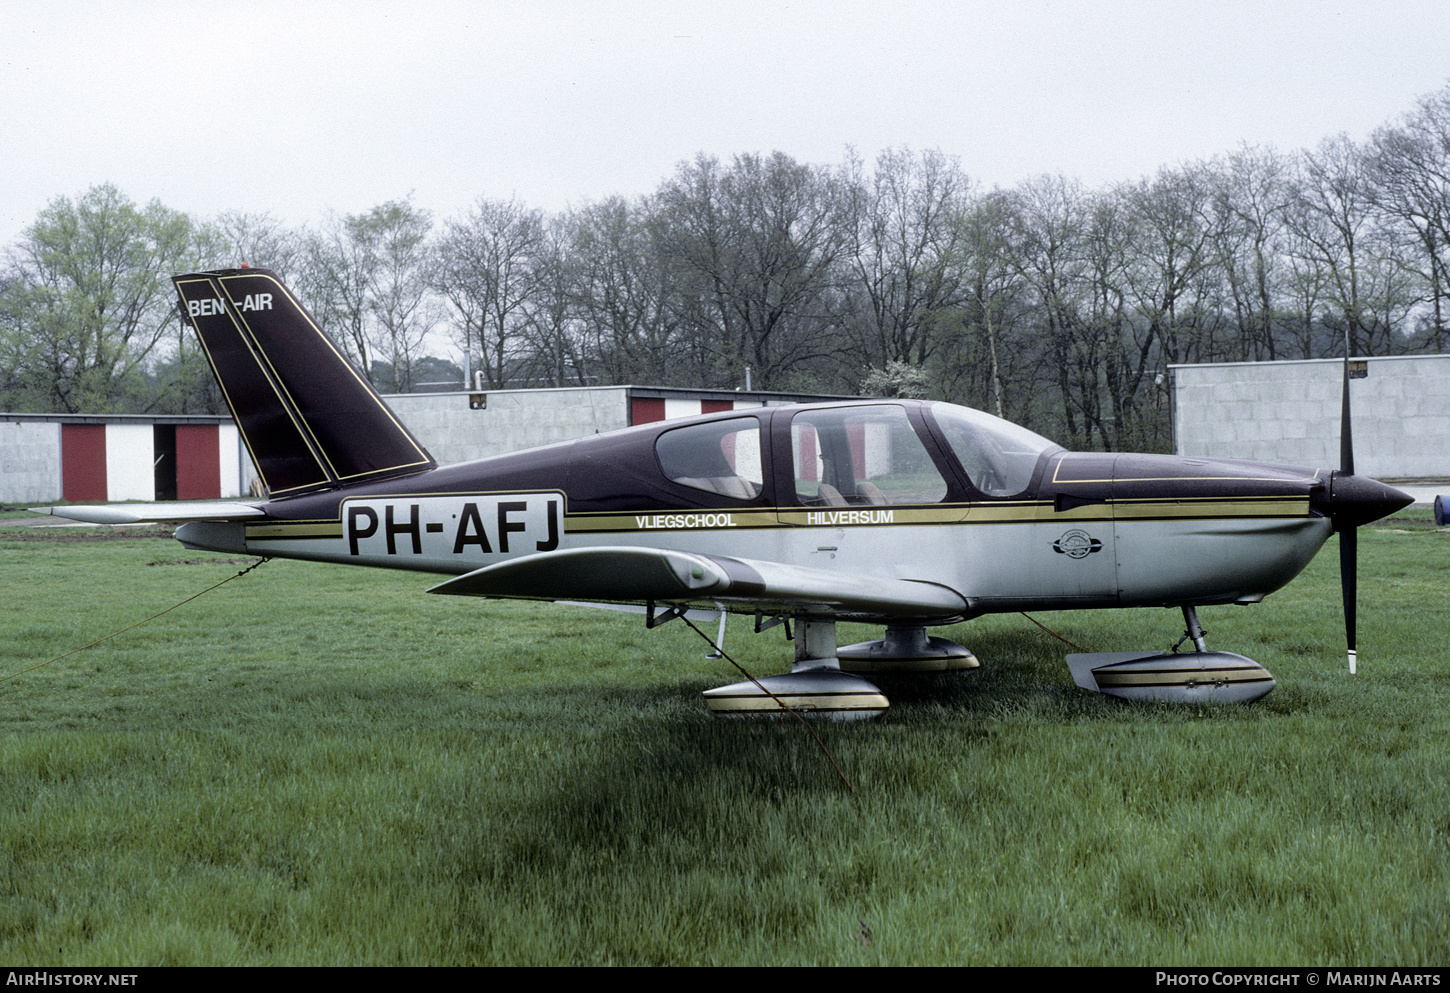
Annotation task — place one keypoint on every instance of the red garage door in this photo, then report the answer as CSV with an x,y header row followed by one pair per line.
x,y
82,462
646,410
198,462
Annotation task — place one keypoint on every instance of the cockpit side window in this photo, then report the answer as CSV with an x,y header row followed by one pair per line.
x,y
853,456
998,456
717,457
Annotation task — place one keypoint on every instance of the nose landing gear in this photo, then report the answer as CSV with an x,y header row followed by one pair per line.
x,y
1199,676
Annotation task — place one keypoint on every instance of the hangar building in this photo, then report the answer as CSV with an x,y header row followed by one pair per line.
x,y
1289,412
82,458
88,458
456,427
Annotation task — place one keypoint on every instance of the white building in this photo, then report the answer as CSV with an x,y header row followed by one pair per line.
x,y
88,458
1290,411
83,458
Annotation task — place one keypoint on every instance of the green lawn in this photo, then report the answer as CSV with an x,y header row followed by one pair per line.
x,y
322,765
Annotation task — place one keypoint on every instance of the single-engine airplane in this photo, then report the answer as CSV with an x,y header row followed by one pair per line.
x,y
903,513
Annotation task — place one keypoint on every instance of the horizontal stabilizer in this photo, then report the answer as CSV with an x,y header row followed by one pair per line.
x,y
156,513
636,575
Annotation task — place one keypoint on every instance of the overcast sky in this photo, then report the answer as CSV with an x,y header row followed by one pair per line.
x,y
301,107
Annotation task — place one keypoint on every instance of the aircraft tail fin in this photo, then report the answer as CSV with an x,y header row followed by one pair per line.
x,y
309,418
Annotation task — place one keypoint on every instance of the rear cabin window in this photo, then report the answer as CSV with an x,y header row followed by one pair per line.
x,y
718,457
861,456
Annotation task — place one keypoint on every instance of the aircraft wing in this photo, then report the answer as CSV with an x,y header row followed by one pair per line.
x,y
637,575
156,513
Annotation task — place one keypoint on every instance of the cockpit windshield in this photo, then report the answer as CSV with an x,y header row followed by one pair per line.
x,y
998,456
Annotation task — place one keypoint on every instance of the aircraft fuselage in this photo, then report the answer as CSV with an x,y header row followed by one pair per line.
x,y
1086,529
901,512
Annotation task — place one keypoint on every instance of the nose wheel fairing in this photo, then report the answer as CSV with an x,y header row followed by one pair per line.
x,y
1172,677
1199,676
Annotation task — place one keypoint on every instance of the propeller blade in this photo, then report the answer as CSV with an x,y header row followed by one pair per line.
x,y
1348,553
1348,536
1346,442
1352,501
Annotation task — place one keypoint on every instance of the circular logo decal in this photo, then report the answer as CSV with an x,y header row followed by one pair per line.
x,y
1077,544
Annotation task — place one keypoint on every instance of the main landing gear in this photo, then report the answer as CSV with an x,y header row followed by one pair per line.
x,y
823,681
906,649
1199,676
826,681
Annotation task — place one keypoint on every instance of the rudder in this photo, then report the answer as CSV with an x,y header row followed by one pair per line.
x,y
307,415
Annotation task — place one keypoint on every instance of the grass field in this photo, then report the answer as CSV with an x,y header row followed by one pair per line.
x,y
321,765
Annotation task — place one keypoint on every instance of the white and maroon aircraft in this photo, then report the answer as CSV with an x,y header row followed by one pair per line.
x,y
902,513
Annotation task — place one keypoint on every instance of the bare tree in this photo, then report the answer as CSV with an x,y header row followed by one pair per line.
x,y
624,293
758,249
905,251
235,239
991,303
1122,344
1409,169
399,306
1174,251
1252,196
1047,217
337,269
485,271
555,339
1335,225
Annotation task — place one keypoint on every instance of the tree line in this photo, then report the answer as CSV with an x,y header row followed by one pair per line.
x,y
1054,305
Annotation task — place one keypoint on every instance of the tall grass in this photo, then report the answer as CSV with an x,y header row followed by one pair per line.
x,y
321,765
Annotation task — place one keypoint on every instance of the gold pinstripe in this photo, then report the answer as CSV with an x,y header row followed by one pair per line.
x,y
1180,677
976,515
1057,468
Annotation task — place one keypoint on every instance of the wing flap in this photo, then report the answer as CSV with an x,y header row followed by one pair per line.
x,y
636,575
156,513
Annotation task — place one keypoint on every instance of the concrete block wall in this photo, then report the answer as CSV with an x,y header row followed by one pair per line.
x,y
29,462
1290,412
512,420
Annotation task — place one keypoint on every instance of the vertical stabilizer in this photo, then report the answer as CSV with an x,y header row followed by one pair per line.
x,y
310,419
